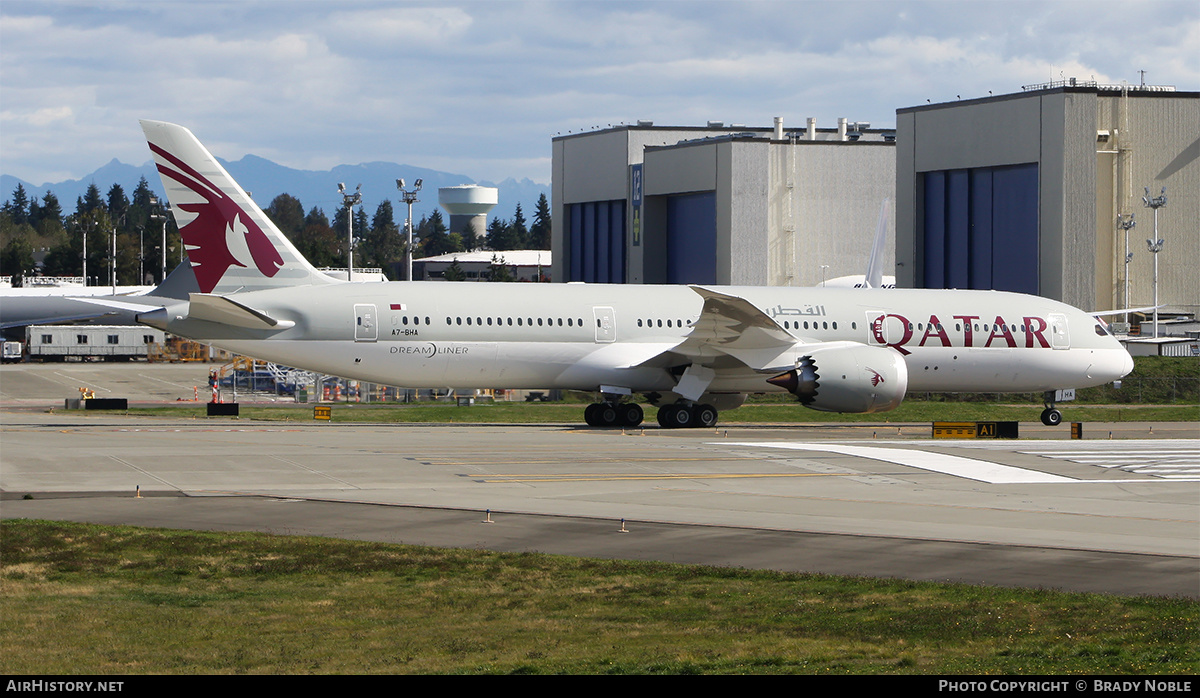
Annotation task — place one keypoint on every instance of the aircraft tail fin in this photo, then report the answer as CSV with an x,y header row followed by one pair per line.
x,y
874,277
230,243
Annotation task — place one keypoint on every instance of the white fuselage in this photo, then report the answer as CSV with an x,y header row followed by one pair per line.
x,y
583,336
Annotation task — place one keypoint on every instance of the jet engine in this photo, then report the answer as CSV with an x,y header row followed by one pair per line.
x,y
847,378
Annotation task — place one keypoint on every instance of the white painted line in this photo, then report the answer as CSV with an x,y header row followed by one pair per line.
x,y
957,466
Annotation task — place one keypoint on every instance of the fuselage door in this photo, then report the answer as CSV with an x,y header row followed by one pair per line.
x,y
365,326
1060,338
606,324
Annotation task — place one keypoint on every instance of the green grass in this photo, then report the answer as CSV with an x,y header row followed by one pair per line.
x,y
87,599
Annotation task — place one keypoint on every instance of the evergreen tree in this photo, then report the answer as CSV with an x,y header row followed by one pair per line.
x,y
90,201
286,212
50,219
434,240
539,232
520,233
318,243
500,235
500,271
383,244
35,213
142,194
470,240
362,227
118,203
18,207
16,259
454,272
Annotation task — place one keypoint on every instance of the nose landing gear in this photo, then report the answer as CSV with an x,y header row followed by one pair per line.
x,y
1051,417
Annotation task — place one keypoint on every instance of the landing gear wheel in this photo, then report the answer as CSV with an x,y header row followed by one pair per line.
x,y
1051,417
607,414
675,416
704,416
589,414
630,414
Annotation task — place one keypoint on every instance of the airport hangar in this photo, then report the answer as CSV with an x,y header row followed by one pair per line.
x,y
718,204
1021,192
1015,192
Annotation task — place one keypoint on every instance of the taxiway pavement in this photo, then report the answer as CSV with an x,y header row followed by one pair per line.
x,y
1119,516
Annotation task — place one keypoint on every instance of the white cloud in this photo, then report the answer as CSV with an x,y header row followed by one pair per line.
x,y
482,86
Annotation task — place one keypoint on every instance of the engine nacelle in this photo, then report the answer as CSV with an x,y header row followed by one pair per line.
x,y
847,378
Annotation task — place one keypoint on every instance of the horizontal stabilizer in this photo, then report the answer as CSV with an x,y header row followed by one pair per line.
x,y
226,311
110,302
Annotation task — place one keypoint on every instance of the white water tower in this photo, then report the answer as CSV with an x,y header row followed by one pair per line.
x,y
468,204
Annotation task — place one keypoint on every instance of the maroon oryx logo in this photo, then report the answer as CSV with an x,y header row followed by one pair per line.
x,y
218,223
876,379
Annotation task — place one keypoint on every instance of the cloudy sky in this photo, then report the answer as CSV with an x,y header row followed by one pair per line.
x,y
479,88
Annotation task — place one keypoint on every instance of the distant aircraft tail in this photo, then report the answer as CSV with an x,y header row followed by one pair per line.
x,y
874,276
230,243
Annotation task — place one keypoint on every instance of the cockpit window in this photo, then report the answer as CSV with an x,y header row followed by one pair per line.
x,y
1102,330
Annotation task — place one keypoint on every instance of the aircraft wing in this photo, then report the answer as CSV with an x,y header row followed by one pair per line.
x,y
54,319
733,326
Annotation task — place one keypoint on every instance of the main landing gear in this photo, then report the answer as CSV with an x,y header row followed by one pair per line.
x,y
1051,417
613,414
630,414
682,416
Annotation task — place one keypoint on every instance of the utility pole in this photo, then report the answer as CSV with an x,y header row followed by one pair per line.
x,y
350,201
1155,246
410,198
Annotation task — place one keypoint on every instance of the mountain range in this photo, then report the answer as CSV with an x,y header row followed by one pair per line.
x,y
265,180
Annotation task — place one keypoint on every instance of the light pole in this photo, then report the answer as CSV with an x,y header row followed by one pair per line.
x,y
1155,246
141,255
1126,225
112,262
85,229
410,198
823,268
159,214
350,201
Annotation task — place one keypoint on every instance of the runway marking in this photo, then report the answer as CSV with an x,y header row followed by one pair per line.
x,y
639,476
1168,459
968,468
481,462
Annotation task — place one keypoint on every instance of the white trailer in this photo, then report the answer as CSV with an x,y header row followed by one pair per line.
x,y
94,342
10,351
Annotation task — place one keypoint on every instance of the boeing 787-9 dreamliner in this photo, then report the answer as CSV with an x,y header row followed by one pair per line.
x,y
691,350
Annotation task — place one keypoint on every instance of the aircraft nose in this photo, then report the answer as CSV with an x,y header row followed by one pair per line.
x,y
1116,364
1126,363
